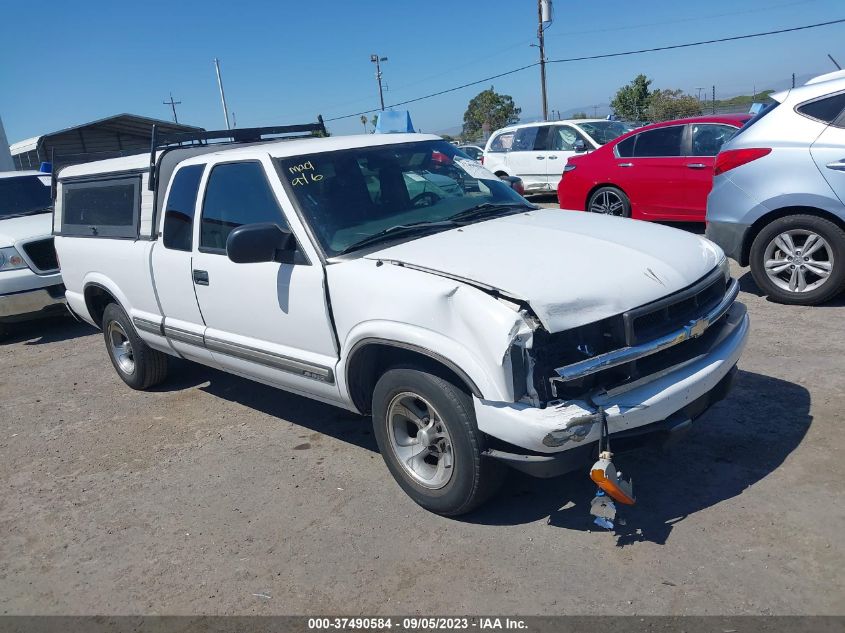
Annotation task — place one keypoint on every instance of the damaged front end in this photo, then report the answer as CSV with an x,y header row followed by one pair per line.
x,y
653,369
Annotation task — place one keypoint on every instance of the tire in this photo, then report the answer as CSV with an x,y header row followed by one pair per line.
x,y
612,200
470,478
138,365
789,270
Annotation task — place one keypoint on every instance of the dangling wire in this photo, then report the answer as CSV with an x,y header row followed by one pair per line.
x,y
604,438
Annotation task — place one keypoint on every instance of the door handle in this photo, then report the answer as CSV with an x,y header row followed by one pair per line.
x,y
696,165
552,157
201,277
625,164
540,157
838,165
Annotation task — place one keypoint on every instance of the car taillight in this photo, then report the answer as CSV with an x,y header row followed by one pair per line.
x,y
519,187
732,158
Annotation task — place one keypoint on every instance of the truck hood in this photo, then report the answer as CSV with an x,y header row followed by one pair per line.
x,y
572,268
14,229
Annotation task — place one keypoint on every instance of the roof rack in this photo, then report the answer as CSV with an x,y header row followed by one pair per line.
x,y
238,135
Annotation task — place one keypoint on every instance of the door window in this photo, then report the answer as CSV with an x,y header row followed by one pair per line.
x,y
179,211
664,141
563,138
236,194
525,139
625,149
708,138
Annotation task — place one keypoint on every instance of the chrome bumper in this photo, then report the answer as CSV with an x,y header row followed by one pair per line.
x,y
31,301
624,355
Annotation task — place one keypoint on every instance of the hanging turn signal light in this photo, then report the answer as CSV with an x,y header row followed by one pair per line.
x,y
604,474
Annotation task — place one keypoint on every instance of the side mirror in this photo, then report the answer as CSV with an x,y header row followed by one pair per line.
x,y
580,146
264,242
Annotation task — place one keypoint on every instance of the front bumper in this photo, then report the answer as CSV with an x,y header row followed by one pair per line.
x,y
27,304
565,426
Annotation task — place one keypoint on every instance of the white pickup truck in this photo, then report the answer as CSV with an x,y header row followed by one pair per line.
x,y
478,331
30,282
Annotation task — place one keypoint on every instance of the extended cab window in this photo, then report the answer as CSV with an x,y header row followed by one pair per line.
x,y
664,141
236,194
179,211
525,139
102,208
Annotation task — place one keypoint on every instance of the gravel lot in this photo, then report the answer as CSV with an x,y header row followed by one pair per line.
x,y
217,495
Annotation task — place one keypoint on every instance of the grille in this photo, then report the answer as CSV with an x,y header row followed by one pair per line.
x,y
42,254
633,327
656,319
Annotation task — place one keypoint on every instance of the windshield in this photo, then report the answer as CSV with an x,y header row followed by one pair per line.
x,y
350,195
605,131
24,195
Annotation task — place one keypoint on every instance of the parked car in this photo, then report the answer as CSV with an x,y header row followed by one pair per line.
x,y
281,262
536,152
662,171
30,282
473,151
778,194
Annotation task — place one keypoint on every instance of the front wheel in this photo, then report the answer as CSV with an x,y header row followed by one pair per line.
x,y
426,432
799,259
610,201
138,365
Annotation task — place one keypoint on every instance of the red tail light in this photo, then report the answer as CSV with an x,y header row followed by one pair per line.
x,y
732,158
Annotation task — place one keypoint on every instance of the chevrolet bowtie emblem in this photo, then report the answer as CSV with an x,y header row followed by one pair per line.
x,y
698,328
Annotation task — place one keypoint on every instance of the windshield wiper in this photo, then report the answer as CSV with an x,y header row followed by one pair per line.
x,y
489,208
395,231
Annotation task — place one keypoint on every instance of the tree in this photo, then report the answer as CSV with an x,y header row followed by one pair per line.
x,y
374,122
447,137
579,115
632,100
666,105
492,108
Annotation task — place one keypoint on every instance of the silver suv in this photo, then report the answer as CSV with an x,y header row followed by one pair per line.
x,y
778,197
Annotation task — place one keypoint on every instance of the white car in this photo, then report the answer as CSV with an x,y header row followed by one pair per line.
x,y
537,152
30,282
311,265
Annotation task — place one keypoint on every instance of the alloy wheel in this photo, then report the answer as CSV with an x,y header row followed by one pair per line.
x,y
798,260
121,348
420,440
608,203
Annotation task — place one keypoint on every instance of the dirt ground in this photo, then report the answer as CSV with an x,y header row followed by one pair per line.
x,y
216,495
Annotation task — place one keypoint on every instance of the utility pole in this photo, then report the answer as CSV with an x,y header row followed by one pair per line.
x,y
377,61
173,105
713,102
222,94
540,30
699,93
793,80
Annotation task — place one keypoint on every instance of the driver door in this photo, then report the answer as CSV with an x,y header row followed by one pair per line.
x,y
269,320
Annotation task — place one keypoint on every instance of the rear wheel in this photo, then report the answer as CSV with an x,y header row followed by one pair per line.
x,y
610,201
799,260
138,365
426,432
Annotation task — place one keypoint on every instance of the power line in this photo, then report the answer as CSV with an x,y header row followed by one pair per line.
x,y
591,57
689,44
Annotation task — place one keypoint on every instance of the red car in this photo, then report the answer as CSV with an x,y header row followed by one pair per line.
x,y
662,171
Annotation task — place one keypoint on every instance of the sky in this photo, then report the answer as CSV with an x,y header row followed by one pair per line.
x,y
286,61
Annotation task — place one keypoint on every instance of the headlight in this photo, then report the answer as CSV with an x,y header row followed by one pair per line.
x,y
725,267
10,259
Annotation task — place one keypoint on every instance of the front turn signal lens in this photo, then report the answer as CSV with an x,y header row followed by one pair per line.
x,y
604,475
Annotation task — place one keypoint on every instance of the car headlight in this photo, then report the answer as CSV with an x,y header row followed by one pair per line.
x,y
725,267
10,259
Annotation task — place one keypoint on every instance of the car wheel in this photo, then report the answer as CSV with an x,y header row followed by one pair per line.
x,y
139,365
799,259
610,201
426,432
